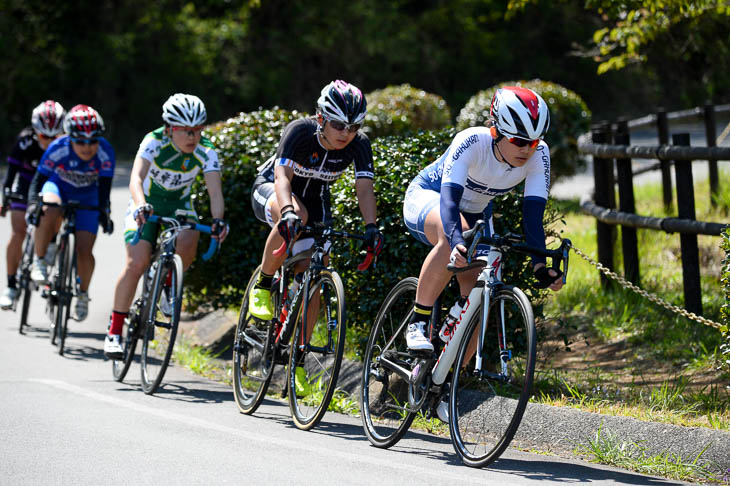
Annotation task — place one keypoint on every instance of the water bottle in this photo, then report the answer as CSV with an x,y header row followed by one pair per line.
x,y
447,329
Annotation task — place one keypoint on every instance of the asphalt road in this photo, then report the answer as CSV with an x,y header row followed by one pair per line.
x,y
65,421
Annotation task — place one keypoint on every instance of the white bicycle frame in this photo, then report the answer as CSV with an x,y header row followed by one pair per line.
x,y
490,275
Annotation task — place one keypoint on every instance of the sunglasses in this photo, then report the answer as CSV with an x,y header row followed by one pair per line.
x,y
85,141
521,142
350,127
189,131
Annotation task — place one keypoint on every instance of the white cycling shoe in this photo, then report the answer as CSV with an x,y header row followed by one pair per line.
x,y
415,338
39,272
82,306
442,411
8,297
113,346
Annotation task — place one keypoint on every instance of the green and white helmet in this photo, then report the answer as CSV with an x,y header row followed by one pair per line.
x,y
184,110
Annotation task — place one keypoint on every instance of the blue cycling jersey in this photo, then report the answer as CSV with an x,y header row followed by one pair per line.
x,y
71,174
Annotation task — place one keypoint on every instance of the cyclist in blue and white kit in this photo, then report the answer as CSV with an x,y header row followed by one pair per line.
x,y
46,124
455,191
77,167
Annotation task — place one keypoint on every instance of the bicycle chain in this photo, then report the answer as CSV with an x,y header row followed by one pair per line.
x,y
653,298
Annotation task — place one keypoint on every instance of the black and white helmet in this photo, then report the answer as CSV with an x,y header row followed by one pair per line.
x,y
184,110
520,112
47,118
342,101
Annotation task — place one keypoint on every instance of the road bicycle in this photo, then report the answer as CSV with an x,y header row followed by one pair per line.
x,y
155,315
308,335
64,281
485,370
24,284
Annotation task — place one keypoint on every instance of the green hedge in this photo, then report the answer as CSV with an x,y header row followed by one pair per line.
x,y
725,278
249,139
569,118
396,110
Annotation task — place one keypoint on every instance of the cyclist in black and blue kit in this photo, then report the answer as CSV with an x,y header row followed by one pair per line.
x,y
293,186
46,125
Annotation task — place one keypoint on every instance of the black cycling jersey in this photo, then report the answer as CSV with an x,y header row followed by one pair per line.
x,y
314,166
23,160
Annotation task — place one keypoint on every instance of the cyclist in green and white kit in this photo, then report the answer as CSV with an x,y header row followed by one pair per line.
x,y
167,163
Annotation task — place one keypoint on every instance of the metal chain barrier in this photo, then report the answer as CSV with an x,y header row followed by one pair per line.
x,y
657,300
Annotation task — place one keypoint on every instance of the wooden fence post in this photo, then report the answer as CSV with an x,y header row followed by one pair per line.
x,y
663,135
629,243
688,242
711,135
603,196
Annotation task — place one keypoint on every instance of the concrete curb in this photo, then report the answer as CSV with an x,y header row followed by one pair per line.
x,y
559,430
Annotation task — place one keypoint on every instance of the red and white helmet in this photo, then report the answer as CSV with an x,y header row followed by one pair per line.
x,y
342,101
82,121
47,118
520,112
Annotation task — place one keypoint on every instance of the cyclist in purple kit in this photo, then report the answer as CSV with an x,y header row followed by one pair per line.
x,y
79,167
46,125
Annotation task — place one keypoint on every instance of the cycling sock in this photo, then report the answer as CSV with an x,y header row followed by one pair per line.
x,y
264,281
421,313
117,322
12,281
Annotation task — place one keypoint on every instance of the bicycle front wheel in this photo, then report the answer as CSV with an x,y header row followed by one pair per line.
x,y
25,288
160,323
65,289
488,399
316,350
384,394
130,335
253,356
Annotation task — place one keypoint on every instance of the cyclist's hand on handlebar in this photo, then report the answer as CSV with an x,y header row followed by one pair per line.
x,y
289,226
32,214
142,212
219,229
374,239
105,220
458,256
548,278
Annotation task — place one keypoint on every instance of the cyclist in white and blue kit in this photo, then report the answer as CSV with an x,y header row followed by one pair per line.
x,y
451,194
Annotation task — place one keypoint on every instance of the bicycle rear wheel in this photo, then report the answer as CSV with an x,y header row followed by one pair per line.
x,y
488,399
25,287
384,394
130,336
65,285
160,323
253,356
316,355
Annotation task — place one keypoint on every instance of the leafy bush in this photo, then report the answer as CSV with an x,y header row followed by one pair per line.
x,y
247,140
398,109
569,118
725,278
243,143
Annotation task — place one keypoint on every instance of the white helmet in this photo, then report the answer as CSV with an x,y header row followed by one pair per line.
x,y
47,118
342,101
520,112
184,110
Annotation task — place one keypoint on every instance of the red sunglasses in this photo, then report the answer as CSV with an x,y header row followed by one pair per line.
x,y
521,142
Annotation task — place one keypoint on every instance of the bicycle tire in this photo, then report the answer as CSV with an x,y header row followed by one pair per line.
x,y
24,282
383,393
158,336
65,290
130,336
310,393
486,406
253,355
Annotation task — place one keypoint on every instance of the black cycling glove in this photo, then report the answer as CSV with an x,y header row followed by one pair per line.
x,y
105,221
374,239
289,226
544,279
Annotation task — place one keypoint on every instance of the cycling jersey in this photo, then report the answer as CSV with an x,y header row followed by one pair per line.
x,y
469,175
22,162
172,172
62,166
315,167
